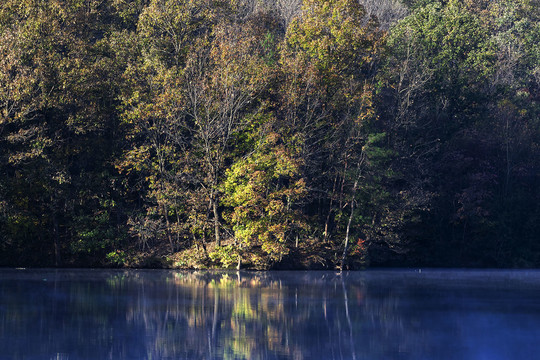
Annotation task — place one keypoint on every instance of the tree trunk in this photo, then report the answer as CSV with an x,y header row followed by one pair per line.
x,y
216,221
346,246
56,240
168,227
327,222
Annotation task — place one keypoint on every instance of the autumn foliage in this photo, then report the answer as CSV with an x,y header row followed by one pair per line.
x,y
218,133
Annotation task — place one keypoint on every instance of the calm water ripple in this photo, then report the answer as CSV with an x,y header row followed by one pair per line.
x,y
165,314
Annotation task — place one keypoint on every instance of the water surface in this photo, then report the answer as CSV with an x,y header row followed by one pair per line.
x,y
164,314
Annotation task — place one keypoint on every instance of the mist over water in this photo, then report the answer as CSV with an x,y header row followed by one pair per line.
x,y
165,314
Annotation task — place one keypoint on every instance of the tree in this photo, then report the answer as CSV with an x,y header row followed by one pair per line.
x,y
55,108
262,190
388,12
448,63
330,60
155,114
223,86
201,74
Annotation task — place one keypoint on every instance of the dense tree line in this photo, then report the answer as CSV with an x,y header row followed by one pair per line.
x,y
332,133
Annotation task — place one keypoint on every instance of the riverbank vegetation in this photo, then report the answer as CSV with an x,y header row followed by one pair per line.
x,y
270,134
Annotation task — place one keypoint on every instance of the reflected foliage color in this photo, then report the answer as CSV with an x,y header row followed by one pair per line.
x,y
287,315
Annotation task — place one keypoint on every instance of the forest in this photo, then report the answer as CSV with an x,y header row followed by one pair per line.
x,y
270,134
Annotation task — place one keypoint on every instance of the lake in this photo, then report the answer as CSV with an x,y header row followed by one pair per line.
x,y
167,314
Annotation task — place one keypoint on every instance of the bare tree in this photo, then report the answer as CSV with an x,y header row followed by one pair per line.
x,y
222,81
288,10
387,11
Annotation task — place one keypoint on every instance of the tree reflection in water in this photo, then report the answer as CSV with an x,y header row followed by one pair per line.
x,y
82,314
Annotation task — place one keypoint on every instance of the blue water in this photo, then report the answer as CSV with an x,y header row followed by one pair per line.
x,y
163,314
